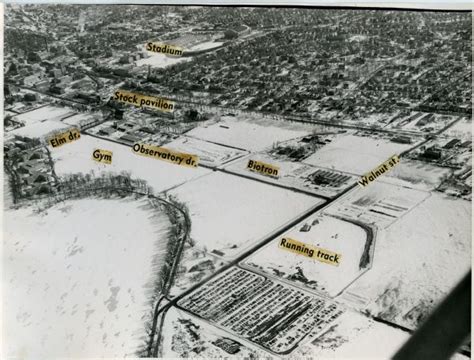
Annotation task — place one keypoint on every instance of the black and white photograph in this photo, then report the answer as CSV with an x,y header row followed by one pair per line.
x,y
236,181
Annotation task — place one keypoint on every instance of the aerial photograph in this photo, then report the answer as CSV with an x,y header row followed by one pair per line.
x,y
236,182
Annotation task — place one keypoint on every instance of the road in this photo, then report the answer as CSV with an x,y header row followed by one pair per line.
x,y
155,343
159,312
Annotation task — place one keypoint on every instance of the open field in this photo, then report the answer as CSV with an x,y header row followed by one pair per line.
x,y
356,337
185,335
160,175
230,214
76,120
76,277
417,174
421,261
461,130
252,134
379,203
205,45
49,112
40,130
209,154
355,154
293,174
324,232
161,61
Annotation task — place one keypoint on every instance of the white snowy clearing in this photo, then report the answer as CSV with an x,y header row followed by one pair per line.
x,y
205,46
355,154
325,232
41,114
76,157
250,134
40,130
209,153
75,278
417,261
230,214
161,61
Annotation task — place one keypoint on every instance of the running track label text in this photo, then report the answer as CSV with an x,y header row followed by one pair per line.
x,y
312,252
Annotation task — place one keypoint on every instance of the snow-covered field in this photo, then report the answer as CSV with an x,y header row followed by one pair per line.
x,y
292,174
205,45
422,256
461,130
328,233
75,277
78,119
161,61
379,203
356,337
48,112
77,157
250,134
355,154
417,174
186,336
40,130
230,214
209,153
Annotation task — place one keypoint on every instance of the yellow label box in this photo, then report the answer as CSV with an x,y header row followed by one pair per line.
x,y
64,138
310,251
102,156
381,169
160,153
139,100
164,49
263,168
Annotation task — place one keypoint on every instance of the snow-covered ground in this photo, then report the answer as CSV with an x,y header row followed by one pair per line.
x,y
208,153
355,154
161,61
417,174
291,173
379,203
76,276
205,45
250,134
356,337
78,119
40,130
186,336
328,233
48,112
77,157
230,214
461,130
422,256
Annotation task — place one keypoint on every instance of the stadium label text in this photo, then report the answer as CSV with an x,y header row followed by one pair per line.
x,y
103,156
144,101
64,138
313,252
166,155
164,49
374,174
263,168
